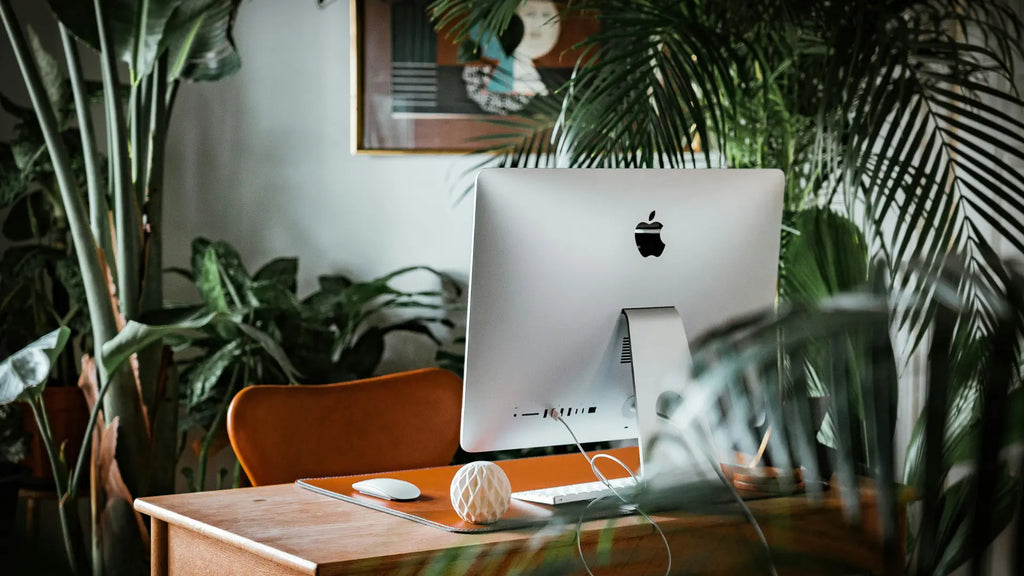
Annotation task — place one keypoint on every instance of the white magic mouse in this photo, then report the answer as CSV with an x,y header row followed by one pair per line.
x,y
388,489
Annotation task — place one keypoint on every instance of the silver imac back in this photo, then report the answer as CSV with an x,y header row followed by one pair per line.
x,y
559,253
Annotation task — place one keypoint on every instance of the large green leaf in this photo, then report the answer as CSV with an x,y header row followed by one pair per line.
x,y
207,276
957,526
362,357
135,336
11,185
220,275
333,282
826,258
202,379
23,373
136,28
273,349
70,277
199,40
274,298
281,271
195,33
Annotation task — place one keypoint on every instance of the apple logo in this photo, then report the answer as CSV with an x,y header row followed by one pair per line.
x,y
648,238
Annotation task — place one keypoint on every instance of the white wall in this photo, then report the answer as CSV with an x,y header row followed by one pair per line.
x,y
262,160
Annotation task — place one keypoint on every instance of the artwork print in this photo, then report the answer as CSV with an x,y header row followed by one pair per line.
x,y
440,94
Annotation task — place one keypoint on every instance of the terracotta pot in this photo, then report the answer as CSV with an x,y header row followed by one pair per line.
x,y
68,415
762,480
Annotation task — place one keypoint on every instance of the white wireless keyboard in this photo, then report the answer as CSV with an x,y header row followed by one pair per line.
x,y
573,492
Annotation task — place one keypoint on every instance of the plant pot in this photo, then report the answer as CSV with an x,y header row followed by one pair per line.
x,y
68,415
761,480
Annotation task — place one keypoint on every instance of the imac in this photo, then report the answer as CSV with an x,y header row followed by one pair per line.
x,y
585,283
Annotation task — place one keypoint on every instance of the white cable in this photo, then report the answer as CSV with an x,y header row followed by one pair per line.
x,y
632,505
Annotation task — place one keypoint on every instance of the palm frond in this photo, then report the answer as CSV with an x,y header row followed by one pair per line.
x,y
902,113
925,130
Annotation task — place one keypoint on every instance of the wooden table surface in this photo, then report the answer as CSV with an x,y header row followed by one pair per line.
x,y
285,529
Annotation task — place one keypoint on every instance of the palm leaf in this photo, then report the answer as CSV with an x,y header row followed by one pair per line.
x,y
899,117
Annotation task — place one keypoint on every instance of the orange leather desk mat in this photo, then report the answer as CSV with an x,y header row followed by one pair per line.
x,y
434,507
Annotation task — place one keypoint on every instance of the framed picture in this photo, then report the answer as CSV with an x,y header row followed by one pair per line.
x,y
414,93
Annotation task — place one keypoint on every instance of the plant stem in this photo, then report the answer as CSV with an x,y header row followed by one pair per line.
x,y
126,219
97,200
65,507
204,451
94,487
164,420
123,402
153,369
93,277
141,22
45,432
152,284
138,125
93,414
94,512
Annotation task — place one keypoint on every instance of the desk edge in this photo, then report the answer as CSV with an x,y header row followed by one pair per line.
x,y
262,550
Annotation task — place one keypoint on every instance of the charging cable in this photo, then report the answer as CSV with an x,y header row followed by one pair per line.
x,y
631,506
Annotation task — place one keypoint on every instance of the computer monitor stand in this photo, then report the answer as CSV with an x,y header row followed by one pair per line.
x,y
658,348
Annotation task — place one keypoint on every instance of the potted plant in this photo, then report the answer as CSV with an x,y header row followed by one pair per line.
x,y
163,43
892,122
254,328
23,377
962,498
820,90
39,278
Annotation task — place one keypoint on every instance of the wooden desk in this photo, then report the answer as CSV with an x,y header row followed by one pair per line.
x,y
285,529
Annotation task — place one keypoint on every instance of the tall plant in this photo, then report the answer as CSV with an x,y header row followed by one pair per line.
x,y
117,228
39,279
956,515
899,116
335,334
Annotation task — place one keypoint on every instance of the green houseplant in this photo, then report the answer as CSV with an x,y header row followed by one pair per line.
x,y
336,333
39,276
115,223
893,114
23,378
758,367
893,122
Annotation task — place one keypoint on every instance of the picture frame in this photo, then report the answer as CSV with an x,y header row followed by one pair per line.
x,y
413,94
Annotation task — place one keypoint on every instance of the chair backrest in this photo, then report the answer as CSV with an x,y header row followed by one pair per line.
x,y
393,422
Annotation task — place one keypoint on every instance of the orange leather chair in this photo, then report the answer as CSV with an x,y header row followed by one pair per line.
x,y
394,422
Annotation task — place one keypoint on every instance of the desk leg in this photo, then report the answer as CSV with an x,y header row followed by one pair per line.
x,y
158,548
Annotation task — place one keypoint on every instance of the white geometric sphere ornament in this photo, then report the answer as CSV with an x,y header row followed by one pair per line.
x,y
481,492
